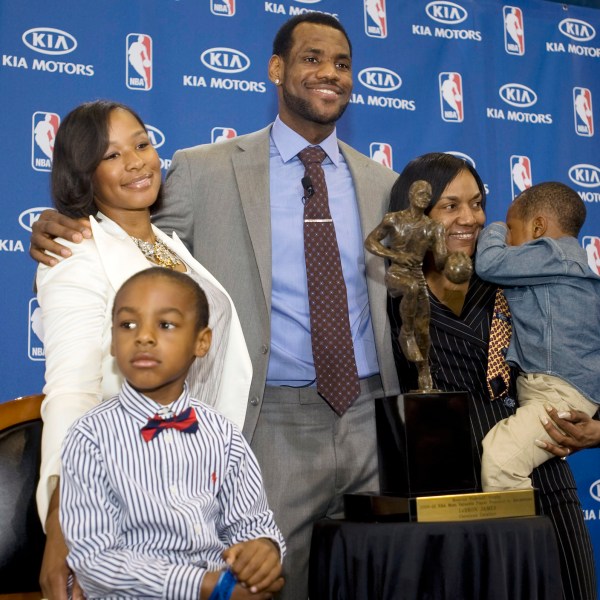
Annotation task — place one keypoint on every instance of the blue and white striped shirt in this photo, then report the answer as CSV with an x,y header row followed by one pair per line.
x,y
150,518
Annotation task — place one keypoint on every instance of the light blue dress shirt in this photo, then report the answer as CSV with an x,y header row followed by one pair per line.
x,y
291,361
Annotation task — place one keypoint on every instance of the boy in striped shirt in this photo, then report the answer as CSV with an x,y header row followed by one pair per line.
x,y
161,496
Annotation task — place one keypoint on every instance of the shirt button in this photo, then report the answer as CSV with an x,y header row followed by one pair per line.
x,y
168,437
264,349
198,528
173,489
254,400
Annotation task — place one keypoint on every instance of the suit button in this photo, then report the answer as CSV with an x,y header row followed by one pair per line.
x,y
264,349
254,400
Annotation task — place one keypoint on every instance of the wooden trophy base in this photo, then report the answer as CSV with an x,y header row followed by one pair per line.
x,y
426,466
431,509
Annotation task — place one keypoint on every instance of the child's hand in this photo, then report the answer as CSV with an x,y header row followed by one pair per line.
x,y
239,592
256,565
242,593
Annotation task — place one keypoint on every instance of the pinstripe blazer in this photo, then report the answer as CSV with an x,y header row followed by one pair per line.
x,y
458,358
217,200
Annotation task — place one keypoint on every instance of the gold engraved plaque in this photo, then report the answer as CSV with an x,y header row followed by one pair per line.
x,y
470,507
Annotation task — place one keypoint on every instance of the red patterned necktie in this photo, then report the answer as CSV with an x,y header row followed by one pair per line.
x,y
498,371
331,338
186,422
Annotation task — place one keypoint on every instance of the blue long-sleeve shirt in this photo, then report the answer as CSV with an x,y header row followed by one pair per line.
x,y
554,298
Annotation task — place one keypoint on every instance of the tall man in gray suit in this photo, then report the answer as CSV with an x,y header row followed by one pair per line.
x,y
237,205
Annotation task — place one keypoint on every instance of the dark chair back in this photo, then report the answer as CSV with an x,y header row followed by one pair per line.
x,y
21,536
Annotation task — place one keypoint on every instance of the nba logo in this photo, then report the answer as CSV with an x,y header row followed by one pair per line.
x,y
43,131
514,32
451,97
375,18
35,345
139,62
520,174
220,134
582,107
591,244
222,8
382,153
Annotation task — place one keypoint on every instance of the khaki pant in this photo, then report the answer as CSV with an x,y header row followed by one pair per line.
x,y
509,449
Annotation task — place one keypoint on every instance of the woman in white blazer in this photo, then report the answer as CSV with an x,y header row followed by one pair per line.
x,y
105,168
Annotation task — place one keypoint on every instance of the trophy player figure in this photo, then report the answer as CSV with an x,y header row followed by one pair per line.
x,y
411,234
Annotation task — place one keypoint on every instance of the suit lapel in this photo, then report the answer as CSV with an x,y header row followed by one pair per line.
x,y
251,167
370,216
364,181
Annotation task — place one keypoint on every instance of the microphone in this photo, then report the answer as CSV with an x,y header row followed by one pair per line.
x,y
309,190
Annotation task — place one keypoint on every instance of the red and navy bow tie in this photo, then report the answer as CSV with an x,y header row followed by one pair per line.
x,y
186,422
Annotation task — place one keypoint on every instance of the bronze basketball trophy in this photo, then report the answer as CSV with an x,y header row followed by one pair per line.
x,y
426,466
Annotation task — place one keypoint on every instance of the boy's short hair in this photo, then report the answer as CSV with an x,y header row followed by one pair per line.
x,y
200,301
557,198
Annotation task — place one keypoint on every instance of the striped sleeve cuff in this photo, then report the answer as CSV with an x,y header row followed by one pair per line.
x,y
183,582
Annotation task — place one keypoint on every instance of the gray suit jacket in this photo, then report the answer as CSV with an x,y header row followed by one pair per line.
x,y
217,201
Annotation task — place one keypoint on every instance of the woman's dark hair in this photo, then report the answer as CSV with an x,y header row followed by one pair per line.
x,y
80,144
282,43
439,169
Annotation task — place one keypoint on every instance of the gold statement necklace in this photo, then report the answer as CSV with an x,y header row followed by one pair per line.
x,y
157,252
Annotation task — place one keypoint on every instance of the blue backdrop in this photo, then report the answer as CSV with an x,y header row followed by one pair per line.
x,y
514,88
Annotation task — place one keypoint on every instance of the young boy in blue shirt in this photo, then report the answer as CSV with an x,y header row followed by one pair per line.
x,y
160,495
554,298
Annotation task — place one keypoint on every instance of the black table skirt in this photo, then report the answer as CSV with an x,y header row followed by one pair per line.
x,y
496,559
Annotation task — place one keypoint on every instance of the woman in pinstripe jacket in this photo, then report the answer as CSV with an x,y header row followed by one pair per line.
x,y
460,327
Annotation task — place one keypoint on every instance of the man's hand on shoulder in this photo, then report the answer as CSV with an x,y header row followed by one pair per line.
x,y
51,225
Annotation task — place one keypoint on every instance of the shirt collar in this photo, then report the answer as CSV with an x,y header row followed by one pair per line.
x,y
289,143
142,408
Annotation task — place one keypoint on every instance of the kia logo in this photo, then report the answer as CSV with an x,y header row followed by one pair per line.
x,y
516,94
157,137
595,490
49,41
380,79
587,176
225,60
28,217
446,12
462,156
577,30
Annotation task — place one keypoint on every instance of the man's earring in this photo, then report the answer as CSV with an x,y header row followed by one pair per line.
x,y
277,82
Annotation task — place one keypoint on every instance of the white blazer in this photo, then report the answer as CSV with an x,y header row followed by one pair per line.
x,y
76,298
